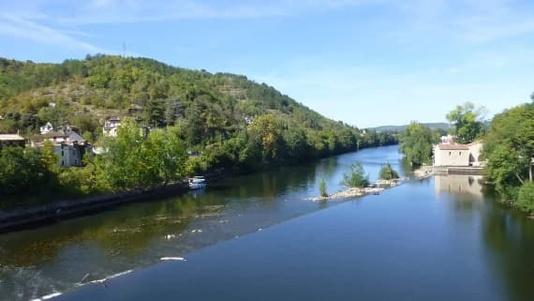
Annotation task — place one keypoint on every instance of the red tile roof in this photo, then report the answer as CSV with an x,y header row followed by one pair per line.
x,y
453,147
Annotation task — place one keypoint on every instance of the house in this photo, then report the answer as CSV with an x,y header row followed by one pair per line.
x,y
458,155
69,154
69,146
12,140
47,128
111,126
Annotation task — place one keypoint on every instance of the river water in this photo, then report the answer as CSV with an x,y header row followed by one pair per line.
x,y
260,237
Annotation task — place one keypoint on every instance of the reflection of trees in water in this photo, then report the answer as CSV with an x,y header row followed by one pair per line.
x,y
327,167
124,232
510,237
405,167
507,234
267,185
129,230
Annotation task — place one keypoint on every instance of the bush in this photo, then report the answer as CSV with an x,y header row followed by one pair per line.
x,y
356,177
322,188
388,173
525,198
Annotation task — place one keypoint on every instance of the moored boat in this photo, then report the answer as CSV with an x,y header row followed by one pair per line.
x,y
197,182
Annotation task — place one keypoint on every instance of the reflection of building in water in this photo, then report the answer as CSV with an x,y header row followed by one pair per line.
x,y
459,185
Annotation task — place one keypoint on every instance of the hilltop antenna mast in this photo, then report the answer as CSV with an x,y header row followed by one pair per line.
x,y
124,49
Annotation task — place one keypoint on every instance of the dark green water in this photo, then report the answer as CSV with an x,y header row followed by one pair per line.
x,y
439,239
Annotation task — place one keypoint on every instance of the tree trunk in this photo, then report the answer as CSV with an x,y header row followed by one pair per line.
x,y
530,170
519,178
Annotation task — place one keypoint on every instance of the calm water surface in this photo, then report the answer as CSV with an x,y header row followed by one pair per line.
x,y
438,239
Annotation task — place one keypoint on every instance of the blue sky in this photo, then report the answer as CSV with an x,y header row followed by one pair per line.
x,y
366,62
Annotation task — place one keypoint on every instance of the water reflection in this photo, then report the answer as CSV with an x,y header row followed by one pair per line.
x,y
466,187
36,262
509,235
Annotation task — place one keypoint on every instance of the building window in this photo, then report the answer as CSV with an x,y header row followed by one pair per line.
x,y
450,153
460,153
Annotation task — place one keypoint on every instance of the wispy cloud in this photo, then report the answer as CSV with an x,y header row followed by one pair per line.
x,y
128,11
27,29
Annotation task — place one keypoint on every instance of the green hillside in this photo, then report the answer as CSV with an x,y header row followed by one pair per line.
x,y
231,122
208,107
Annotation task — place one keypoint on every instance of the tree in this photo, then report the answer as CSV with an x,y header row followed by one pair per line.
x,y
124,165
466,121
21,171
525,199
268,130
49,158
155,113
388,173
173,111
356,177
164,155
416,144
509,148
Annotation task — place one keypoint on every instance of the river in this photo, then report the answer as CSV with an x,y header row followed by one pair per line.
x,y
259,237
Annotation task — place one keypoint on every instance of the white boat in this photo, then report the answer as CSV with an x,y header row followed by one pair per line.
x,y
197,182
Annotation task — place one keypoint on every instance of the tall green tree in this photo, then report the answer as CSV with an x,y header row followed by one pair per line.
x,y
509,147
123,163
21,171
467,123
267,129
164,154
155,113
416,144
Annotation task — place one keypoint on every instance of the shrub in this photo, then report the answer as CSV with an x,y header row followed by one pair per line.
x,y
525,198
388,173
356,177
322,188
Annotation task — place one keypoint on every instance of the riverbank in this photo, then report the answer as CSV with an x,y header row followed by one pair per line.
x,y
38,215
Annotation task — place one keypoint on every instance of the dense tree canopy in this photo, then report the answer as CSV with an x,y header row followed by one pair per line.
x,y
416,143
467,125
509,148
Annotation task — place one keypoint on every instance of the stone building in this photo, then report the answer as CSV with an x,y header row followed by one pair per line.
x,y
458,155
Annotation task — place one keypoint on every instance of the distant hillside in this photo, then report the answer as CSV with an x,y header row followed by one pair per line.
x,y
399,128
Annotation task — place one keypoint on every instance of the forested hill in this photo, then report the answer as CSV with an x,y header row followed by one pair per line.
x,y
101,86
222,121
218,110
